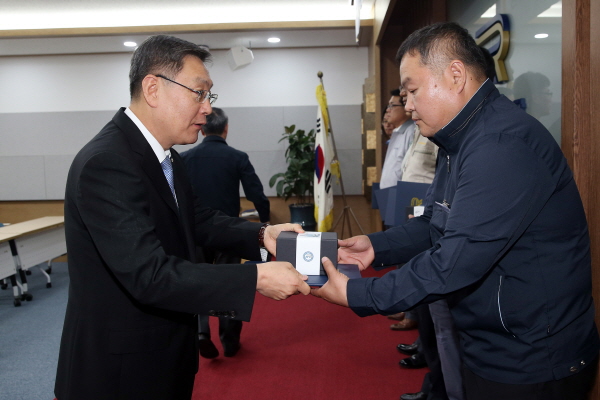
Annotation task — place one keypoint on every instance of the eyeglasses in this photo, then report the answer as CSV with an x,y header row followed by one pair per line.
x,y
202,94
390,106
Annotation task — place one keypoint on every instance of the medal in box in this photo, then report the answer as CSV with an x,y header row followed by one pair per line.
x,y
305,250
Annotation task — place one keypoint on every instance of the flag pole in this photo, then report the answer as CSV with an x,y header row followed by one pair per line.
x,y
347,211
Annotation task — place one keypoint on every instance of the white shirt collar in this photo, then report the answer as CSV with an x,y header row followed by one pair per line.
x,y
402,128
161,153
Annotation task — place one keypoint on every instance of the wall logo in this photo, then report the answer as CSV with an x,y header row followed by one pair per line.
x,y
415,202
308,256
498,32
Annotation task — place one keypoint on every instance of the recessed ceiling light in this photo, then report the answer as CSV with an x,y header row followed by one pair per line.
x,y
273,40
130,44
490,12
555,11
541,36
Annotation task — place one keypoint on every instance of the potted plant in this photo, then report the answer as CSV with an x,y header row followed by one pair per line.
x,y
298,179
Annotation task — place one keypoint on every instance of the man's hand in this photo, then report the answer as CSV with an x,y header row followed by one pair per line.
x,y
279,280
334,291
356,250
272,231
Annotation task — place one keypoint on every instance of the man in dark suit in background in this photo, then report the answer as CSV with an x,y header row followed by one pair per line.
x,y
216,170
132,226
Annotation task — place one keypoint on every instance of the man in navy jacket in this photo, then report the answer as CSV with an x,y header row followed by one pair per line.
x,y
504,236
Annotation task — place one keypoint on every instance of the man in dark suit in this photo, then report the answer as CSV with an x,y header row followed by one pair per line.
x,y
130,328
216,170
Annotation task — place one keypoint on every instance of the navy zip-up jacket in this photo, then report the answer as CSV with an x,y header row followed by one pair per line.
x,y
504,238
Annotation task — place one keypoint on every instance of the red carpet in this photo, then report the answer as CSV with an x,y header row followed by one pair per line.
x,y
305,348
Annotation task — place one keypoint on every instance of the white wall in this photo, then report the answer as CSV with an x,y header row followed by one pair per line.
x,y
288,77
52,105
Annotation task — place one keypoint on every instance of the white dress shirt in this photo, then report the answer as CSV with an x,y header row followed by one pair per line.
x,y
161,153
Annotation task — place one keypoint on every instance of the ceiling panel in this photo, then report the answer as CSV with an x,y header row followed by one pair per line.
x,y
37,27
53,14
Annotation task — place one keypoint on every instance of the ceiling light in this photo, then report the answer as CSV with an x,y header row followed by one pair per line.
x,y
130,44
541,36
554,11
490,12
273,40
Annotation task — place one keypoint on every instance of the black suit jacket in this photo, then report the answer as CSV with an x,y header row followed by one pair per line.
x,y
216,170
130,326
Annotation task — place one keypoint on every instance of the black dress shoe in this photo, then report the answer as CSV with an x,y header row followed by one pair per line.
x,y
408,349
414,361
413,396
229,333
230,349
206,346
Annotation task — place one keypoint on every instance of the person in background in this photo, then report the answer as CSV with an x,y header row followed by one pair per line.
x,y
504,236
132,225
387,128
420,159
419,166
216,170
391,172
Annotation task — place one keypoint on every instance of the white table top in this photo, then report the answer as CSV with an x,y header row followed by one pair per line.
x,y
31,226
4,237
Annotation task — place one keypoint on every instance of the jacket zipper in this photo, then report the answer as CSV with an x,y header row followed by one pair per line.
x,y
448,162
500,310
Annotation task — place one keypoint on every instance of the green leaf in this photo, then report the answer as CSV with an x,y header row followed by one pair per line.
x,y
274,178
279,187
297,180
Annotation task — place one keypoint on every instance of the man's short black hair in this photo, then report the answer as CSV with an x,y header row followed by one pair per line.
x,y
215,122
440,43
161,54
490,71
395,92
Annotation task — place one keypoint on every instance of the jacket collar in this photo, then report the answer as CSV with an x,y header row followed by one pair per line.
x,y
450,136
214,138
147,157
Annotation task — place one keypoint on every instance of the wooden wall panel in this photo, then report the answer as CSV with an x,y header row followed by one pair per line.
x,y
580,124
593,164
19,211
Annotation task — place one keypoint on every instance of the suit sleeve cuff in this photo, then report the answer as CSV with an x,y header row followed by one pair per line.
x,y
358,298
382,250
